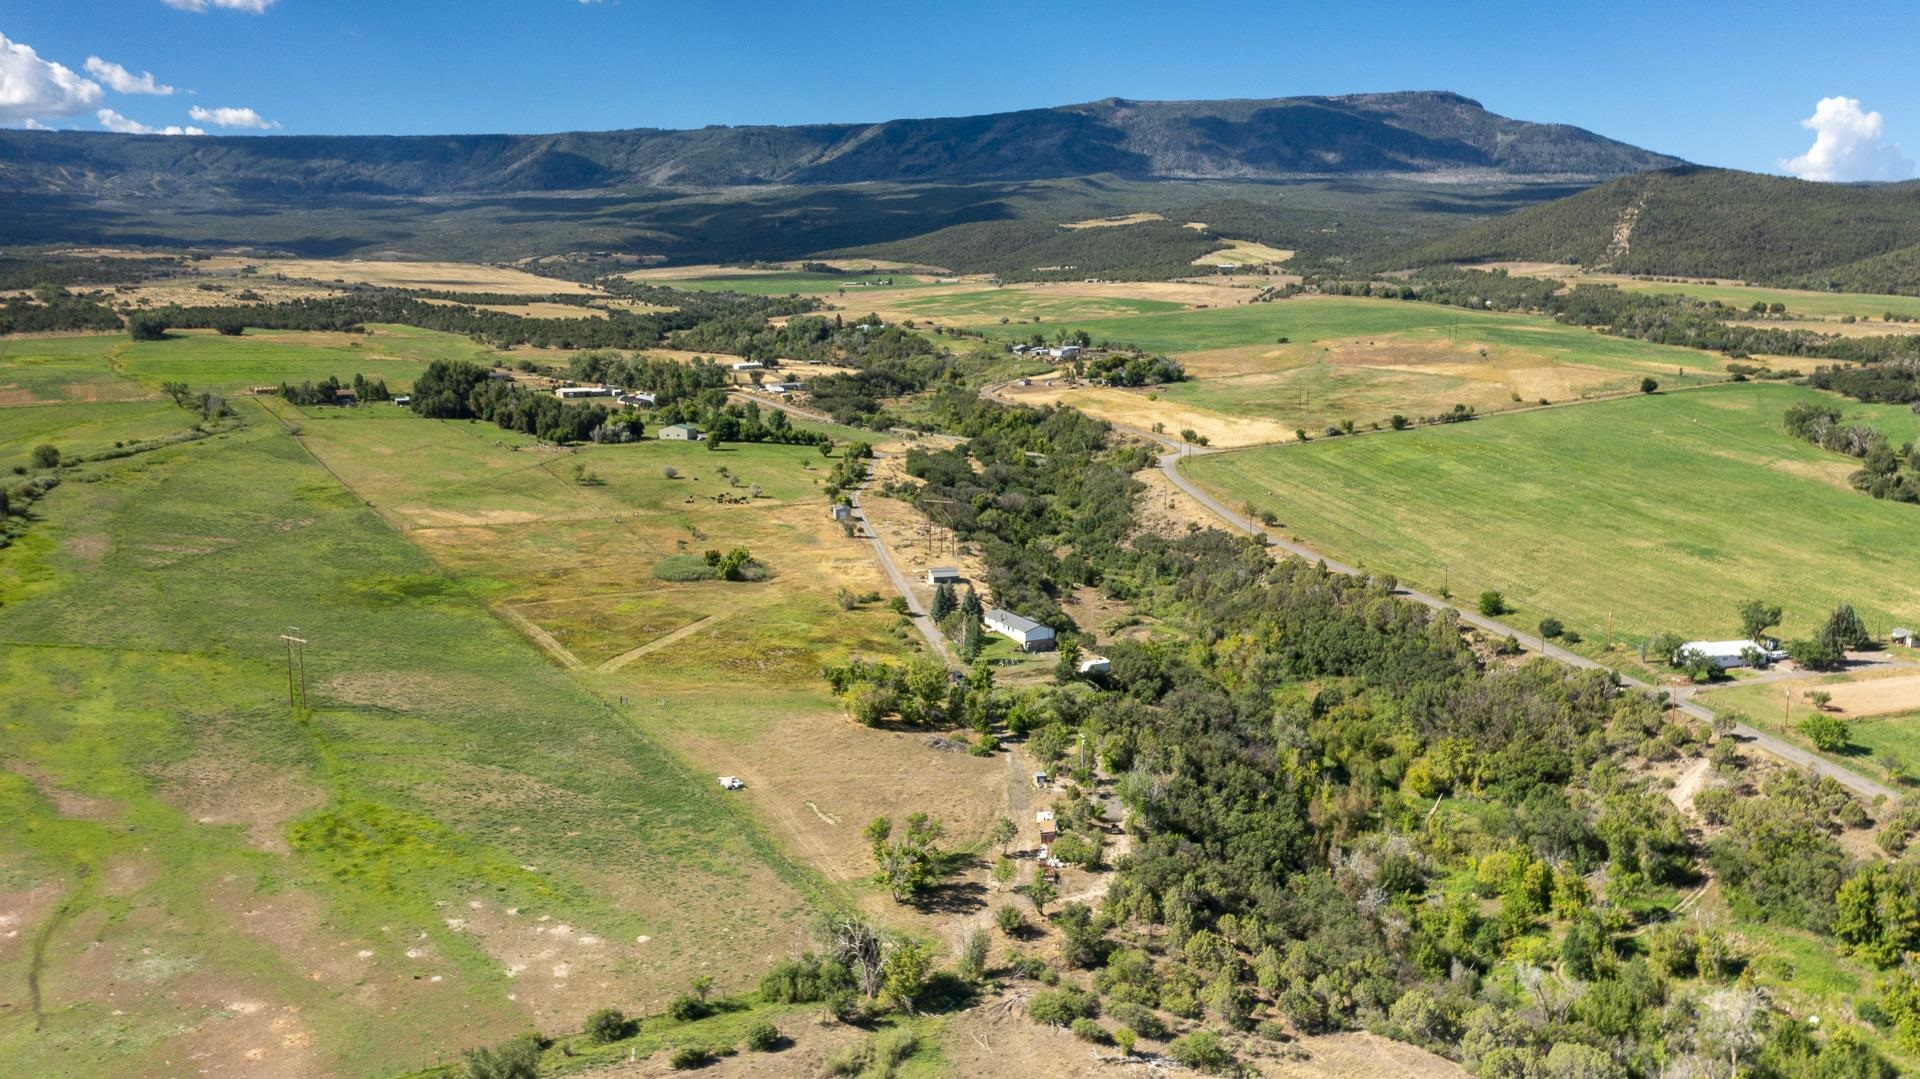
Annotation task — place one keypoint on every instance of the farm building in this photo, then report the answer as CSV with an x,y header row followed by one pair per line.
x,y
637,400
1726,654
345,398
1044,821
681,432
943,575
1095,665
748,365
1902,637
403,400
785,387
840,512
1067,352
574,393
1031,636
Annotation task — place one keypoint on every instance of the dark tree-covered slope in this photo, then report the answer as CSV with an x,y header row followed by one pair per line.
x,y
1699,222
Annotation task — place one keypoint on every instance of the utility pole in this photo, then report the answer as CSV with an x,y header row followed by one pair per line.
x,y
296,657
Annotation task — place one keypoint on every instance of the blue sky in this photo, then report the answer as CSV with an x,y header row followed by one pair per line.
x,y
1722,85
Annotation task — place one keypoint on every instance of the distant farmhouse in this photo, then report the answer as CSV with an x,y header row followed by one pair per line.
x,y
1031,636
1728,654
575,393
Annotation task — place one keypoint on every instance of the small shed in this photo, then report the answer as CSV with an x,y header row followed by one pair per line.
x,y
1040,780
1031,636
841,512
345,398
1903,637
1048,832
681,432
943,575
403,400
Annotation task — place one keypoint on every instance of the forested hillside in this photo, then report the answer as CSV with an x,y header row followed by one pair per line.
x,y
1697,222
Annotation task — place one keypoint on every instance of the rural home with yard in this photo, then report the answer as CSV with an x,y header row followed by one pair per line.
x,y
681,432
1031,636
1729,654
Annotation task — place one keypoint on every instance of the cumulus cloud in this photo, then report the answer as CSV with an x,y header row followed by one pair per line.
x,y
31,87
113,121
1848,145
253,7
124,81
35,125
229,117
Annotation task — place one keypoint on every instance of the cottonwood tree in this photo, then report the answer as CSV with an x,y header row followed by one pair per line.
x,y
910,864
1756,617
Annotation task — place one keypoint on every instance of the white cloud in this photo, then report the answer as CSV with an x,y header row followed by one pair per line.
x,y
229,117
252,7
35,125
1848,145
126,82
113,121
31,87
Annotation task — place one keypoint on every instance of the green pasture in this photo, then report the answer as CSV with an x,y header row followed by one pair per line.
x,y
1876,740
445,761
37,370
1647,513
989,306
206,361
1800,302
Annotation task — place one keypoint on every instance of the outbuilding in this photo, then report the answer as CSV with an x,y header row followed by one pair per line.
x,y
943,575
575,393
840,511
681,432
1031,636
1902,637
1095,665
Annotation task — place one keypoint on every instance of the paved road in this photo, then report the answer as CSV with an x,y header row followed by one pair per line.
x,y
1784,750
921,620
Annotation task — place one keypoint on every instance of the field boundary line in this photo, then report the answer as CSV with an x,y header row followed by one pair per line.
x,y
656,644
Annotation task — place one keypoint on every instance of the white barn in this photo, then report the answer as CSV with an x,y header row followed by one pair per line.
x,y
1031,636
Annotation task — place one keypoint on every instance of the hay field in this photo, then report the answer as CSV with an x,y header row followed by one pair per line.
x,y
444,276
1363,360
1652,513
1800,302
1244,253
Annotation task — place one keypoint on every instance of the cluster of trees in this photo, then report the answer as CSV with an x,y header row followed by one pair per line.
x,y
1894,381
667,380
52,309
1885,472
458,390
326,391
722,422
1133,369
1042,492
1031,250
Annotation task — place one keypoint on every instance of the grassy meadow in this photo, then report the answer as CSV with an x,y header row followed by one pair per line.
x,y
1650,513
784,282
1347,358
497,811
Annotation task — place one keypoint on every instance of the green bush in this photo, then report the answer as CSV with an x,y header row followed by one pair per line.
x,y
687,1007
46,456
1088,1030
516,1059
690,1056
1010,920
1827,732
1060,1007
683,567
763,1037
1551,628
1143,1020
608,1025
1202,1051
1492,604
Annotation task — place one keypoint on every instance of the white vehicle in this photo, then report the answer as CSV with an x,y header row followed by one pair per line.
x,y
732,783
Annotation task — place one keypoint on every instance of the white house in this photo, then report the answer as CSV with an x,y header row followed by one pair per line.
x,y
1726,654
749,365
571,393
943,575
1031,636
1067,352
681,432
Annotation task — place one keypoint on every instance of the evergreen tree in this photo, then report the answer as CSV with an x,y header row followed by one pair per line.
x,y
943,601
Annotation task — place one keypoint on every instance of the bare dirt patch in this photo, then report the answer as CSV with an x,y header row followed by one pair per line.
x,y
1877,696
220,790
445,276
1140,410
21,912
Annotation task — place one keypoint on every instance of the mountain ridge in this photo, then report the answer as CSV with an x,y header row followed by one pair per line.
x,y
1417,132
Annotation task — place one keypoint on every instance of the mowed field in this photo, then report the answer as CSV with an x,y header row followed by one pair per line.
x,y
1800,302
1647,513
1361,359
1882,713
500,812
